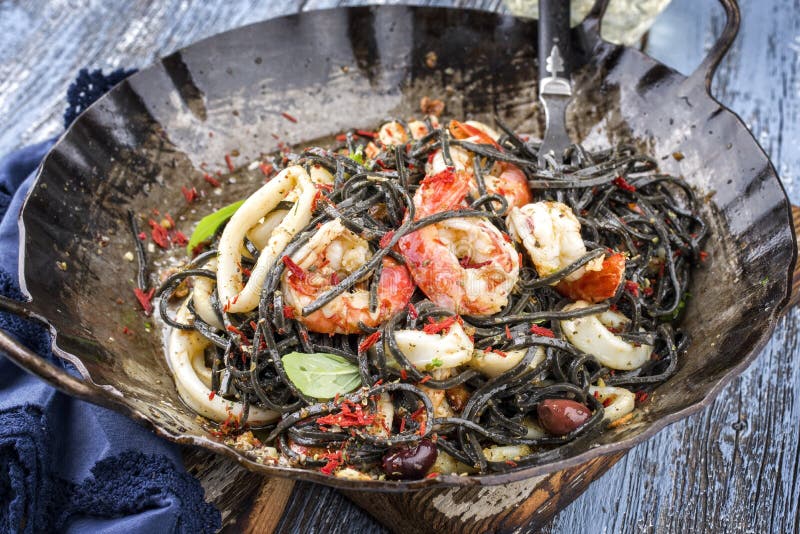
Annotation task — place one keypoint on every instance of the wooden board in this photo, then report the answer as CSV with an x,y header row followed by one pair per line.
x,y
734,467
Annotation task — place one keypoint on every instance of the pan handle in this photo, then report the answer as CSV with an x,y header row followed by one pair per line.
x,y
41,368
704,72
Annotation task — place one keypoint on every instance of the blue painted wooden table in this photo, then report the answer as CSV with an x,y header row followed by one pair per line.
x,y
735,467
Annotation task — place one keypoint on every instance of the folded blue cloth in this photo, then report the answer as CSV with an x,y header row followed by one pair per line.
x,y
66,465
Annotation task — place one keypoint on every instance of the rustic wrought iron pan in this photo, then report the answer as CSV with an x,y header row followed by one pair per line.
x,y
332,70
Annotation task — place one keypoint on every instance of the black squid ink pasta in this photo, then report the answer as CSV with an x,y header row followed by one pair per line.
x,y
425,299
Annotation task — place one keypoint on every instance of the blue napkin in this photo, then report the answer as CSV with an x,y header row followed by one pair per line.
x,y
66,465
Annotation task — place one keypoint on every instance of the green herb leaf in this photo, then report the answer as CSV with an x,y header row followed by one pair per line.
x,y
358,156
435,364
321,375
208,225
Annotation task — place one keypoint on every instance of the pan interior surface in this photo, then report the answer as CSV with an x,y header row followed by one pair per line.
x,y
169,124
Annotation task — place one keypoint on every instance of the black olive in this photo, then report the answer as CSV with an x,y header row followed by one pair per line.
x,y
562,416
409,463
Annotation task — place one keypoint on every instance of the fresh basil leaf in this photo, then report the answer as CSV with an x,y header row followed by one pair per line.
x,y
208,225
321,375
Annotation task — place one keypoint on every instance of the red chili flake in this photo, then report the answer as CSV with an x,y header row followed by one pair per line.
x,y
179,238
433,474
386,239
434,328
648,291
266,169
541,331
506,237
145,299
288,117
596,394
212,395
496,351
613,307
334,278
641,396
246,271
412,311
632,287
378,383
156,212
607,402
142,236
288,311
253,325
127,331
403,374
508,332
703,255
425,379
239,333
512,463
159,234
211,180
622,183
418,413
189,194
351,415
229,163
334,461
365,133
369,341
402,425
296,270
304,335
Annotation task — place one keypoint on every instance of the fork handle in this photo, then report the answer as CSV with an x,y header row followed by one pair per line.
x,y
554,47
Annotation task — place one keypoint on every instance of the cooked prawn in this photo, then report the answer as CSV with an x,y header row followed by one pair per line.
x,y
596,286
236,296
463,265
551,234
394,133
330,255
504,179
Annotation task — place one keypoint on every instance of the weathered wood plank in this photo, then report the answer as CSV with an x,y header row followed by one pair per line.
x,y
733,467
